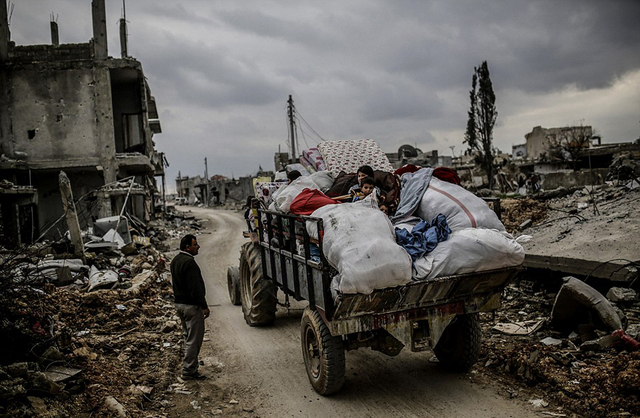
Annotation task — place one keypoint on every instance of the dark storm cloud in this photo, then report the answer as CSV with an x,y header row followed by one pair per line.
x,y
286,30
536,46
395,71
199,74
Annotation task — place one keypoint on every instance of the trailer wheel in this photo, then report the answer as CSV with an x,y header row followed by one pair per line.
x,y
459,345
258,294
233,285
323,354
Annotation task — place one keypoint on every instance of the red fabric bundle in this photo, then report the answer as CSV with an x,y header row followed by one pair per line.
x,y
309,200
407,168
447,174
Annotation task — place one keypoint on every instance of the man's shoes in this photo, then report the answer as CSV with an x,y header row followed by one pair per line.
x,y
196,376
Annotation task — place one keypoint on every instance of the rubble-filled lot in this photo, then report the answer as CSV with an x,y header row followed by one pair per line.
x,y
111,351
562,370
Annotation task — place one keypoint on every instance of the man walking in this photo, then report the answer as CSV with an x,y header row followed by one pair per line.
x,y
191,304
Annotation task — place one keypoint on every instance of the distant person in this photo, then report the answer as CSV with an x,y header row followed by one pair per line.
x,y
292,175
191,304
362,173
248,213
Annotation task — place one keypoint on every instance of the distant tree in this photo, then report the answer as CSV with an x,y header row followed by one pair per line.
x,y
482,119
570,142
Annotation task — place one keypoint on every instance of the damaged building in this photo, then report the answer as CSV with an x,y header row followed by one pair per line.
x,y
73,108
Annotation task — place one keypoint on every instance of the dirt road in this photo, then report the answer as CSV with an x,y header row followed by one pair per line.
x,y
262,368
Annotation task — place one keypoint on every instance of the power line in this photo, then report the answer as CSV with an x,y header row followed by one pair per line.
x,y
307,123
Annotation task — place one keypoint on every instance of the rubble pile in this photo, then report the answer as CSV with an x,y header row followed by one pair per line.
x,y
517,214
174,225
591,370
75,345
625,167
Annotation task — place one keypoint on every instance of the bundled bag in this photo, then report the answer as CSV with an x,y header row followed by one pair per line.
x,y
471,250
324,180
359,242
283,197
462,208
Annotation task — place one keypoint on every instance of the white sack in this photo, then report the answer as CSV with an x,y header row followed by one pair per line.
x,y
462,208
474,249
285,195
359,242
324,180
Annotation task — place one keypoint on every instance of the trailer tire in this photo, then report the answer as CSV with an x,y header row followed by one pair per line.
x,y
459,346
258,294
233,285
323,354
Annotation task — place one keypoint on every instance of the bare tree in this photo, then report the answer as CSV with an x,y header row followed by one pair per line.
x,y
569,142
482,119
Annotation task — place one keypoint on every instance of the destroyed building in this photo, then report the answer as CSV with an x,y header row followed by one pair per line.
x,y
222,190
73,107
540,141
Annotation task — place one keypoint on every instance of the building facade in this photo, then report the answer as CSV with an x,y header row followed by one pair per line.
x,y
72,107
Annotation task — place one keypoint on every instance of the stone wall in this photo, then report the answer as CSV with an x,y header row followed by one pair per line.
x,y
574,178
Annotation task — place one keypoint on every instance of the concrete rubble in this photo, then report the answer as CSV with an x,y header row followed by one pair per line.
x,y
87,347
580,365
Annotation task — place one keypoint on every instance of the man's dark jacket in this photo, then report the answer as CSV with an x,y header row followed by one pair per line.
x,y
188,285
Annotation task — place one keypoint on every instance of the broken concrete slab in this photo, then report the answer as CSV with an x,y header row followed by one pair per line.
x,y
102,278
614,271
61,374
519,328
621,294
578,303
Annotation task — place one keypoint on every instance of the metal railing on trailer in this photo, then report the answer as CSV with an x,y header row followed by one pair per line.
x,y
289,259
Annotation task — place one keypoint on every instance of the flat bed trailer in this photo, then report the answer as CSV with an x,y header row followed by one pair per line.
x,y
439,314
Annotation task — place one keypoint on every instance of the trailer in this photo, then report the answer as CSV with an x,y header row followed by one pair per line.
x,y
440,314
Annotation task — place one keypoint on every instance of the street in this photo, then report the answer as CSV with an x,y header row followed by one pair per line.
x,y
264,369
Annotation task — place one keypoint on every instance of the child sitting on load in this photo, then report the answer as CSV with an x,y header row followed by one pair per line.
x,y
367,186
362,173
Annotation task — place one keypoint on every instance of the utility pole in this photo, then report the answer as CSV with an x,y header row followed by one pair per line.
x,y
206,176
292,125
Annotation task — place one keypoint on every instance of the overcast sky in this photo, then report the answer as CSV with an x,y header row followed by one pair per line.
x,y
395,71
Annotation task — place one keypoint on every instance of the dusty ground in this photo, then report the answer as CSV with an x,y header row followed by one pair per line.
x,y
600,226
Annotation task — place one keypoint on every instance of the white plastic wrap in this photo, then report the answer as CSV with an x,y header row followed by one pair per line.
x,y
285,195
471,250
359,241
324,180
462,208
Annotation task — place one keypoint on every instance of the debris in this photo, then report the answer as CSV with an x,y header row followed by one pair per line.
x,y
519,328
61,374
525,224
115,407
621,294
100,279
576,302
233,402
537,403
551,341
